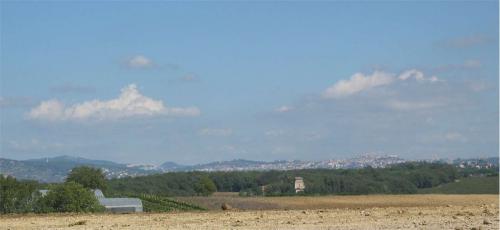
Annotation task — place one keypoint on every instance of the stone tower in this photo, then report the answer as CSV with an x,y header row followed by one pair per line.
x,y
299,185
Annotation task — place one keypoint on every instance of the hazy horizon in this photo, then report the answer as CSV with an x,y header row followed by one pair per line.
x,y
158,163
196,82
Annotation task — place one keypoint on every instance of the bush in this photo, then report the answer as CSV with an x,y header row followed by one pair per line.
x,y
68,197
89,177
16,196
205,186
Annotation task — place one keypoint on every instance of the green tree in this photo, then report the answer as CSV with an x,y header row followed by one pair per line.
x,y
16,196
89,177
205,186
68,197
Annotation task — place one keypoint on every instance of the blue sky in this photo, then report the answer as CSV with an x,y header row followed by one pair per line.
x,y
201,81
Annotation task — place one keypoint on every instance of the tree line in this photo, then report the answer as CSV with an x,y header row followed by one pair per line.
x,y
404,178
74,195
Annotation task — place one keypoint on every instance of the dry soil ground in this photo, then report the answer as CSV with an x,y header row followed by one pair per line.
x,y
330,212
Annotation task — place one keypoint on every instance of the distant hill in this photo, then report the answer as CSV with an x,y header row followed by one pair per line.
x,y
72,161
232,165
212,166
367,160
66,158
172,166
55,169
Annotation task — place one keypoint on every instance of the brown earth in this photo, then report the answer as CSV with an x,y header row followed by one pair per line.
x,y
329,212
327,202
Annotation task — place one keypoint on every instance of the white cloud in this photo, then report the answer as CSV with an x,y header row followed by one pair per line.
x,y
413,73
478,86
130,103
357,83
283,109
48,110
189,77
469,64
417,75
455,136
412,105
228,148
140,61
312,136
434,79
468,41
34,145
360,82
215,132
278,150
472,63
274,132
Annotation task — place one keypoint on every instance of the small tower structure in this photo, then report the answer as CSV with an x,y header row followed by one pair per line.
x,y
299,185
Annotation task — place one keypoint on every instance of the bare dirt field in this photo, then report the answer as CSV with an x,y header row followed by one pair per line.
x,y
328,212
328,202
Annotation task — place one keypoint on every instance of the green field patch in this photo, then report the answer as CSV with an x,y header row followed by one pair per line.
x,y
155,203
469,185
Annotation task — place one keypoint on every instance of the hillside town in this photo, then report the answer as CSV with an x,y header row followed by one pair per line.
x,y
366,160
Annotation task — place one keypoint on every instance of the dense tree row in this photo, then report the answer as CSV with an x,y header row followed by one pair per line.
x,y
168,184
398,179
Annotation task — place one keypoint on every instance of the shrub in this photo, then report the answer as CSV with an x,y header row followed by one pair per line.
x,y
16,196
205,186
68,197
89,177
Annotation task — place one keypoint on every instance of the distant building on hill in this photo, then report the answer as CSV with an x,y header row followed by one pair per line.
x,y
299,185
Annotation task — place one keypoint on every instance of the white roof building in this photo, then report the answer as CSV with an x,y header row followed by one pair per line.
x,y
119,205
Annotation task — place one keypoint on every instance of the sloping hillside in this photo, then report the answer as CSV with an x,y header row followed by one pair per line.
x,y
55,169
469,185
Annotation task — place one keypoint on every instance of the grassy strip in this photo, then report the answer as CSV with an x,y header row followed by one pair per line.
x,y
154,203
469,185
